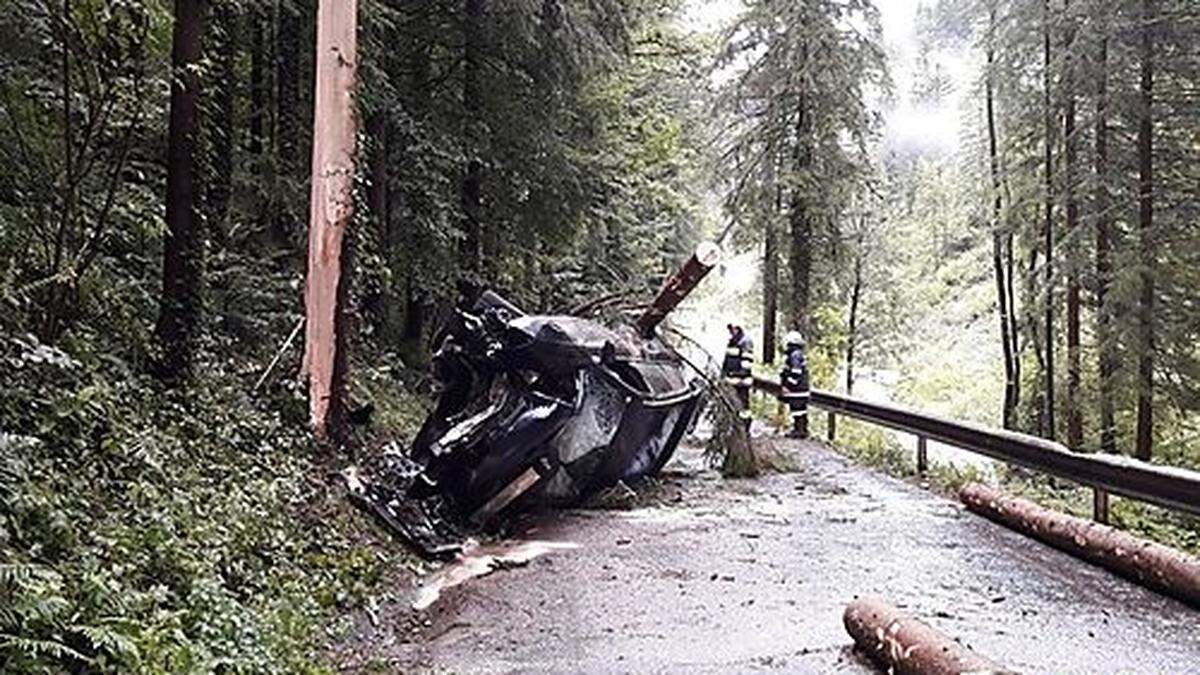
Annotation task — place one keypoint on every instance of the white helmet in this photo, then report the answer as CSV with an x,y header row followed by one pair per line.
x,y
793,338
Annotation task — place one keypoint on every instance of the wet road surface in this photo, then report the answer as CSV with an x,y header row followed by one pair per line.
x,y
734,576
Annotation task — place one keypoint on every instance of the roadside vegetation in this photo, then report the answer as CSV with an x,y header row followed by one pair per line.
x,y
164,507
880,449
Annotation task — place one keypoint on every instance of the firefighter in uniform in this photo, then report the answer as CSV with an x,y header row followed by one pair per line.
x,y
739,356
794,378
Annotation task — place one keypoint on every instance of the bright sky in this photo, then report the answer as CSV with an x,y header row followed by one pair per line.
x,y
907,125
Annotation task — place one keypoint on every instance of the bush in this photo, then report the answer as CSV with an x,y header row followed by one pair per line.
x,y
143,531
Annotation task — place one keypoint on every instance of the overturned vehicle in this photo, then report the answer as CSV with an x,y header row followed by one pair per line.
x,y
536,410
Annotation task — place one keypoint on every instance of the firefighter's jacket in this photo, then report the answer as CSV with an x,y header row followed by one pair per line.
x,y
739,357
794,375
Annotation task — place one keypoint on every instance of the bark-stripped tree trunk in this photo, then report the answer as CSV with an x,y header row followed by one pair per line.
x,y
333,165
1009,412
1048,223
1145,144
471,253
183,250
1073,405
1104,333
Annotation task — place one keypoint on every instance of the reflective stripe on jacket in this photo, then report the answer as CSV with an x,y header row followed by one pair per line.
x,y
794,375
739,357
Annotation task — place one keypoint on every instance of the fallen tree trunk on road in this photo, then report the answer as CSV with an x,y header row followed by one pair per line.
x,y
904,645
1153,565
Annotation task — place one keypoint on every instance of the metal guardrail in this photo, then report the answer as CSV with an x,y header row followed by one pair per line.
x,y
1170,487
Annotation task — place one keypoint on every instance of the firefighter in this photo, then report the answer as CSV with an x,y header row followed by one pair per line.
x,y
739,356
795,383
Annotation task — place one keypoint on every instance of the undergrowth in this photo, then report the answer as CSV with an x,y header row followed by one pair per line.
x,y
145,531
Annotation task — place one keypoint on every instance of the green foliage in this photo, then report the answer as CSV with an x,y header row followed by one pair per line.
x,y
729,447
874,446
142,531
147,530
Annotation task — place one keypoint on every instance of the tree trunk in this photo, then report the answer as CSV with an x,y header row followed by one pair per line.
x,y
1104,333
800,258
183,250
1031,321
852,338
1074,410
771,275
258,80
380,304
333,166
56,313
1048,223
998,258
224,53
1145,145
287,117
471,258
377,193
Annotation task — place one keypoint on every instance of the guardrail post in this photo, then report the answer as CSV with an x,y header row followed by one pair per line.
x,y
831,428
1100,506
922,455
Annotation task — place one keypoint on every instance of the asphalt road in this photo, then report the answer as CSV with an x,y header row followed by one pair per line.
x,y
732,576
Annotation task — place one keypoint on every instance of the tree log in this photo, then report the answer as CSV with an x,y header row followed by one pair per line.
x,y
903,645
1155,566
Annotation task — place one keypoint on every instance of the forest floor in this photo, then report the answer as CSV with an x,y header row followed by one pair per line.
x,y
702,574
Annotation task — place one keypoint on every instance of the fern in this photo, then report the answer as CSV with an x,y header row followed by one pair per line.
x,y
20,574
35,648
105,639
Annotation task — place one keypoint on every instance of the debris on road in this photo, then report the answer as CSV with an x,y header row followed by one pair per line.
x,y
904,645
544,410
1155,566
478,560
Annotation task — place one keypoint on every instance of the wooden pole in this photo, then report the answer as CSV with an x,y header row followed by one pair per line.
x,y
333,165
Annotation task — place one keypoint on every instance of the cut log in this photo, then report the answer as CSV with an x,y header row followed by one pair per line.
x,y
1155,566
678,287
903,645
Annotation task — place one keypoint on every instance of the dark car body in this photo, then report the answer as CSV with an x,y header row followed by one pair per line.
x,y
533,410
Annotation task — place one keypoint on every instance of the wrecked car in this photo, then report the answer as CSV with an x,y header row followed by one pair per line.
x,y
536,410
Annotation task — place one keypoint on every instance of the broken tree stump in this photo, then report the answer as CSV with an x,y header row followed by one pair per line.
x,y
904,645
678,287
1159,567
